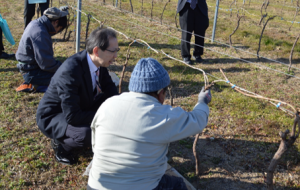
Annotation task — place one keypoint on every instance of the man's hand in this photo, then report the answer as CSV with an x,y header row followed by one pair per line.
x,y
64,8
204,96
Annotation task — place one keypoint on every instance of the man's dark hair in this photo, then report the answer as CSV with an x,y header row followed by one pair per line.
x,y
62,21
99,38
155,92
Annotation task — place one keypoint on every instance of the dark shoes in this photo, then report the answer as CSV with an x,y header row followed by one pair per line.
x,y
61,155
198,59
187,60
6,55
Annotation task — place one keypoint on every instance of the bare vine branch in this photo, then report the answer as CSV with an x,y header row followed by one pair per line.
x,y
234,1
297,10
282,7
163,11
266,5
124,67
292,50
258,96
270,18
131,6
262,17
176,20
89,16
171,95
67,27
142,7
151,8
195,154
238,24
285,144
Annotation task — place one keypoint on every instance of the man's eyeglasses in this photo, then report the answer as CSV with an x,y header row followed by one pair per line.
x,y
113,51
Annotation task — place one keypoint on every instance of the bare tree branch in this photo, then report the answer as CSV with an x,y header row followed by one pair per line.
x,y
234,1
124,67
270,18
195,154
163,11
171,95
285,144
151,8
238,24
131,6
295,15
142,7
176,20
292,50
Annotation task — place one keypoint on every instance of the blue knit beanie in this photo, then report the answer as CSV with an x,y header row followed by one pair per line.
x,y
148,76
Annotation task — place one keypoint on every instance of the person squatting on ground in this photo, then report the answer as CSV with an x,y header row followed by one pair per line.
x,y
131,133
76,91
29,10
35,52
193,16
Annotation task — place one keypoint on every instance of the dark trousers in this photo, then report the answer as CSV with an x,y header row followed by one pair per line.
x,y
192,21
76,137
37,77
167,182
1,42
29,10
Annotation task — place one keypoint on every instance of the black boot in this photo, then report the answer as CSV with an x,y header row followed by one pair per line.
x,y
61,155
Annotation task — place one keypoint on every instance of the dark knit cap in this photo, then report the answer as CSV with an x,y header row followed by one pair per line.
x,y
148,76
54,13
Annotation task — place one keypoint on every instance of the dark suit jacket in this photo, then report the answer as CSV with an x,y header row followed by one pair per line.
x,y
201,4
69,98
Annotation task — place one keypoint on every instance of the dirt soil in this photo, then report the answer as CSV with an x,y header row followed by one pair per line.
x,y
227,163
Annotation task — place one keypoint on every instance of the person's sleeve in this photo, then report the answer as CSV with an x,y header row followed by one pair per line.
x,y
43,53
185,124
68,90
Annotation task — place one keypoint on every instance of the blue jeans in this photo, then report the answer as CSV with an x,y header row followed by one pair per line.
x,y
168,182
37,77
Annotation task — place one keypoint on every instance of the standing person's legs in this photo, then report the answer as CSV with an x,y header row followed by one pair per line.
x,y
29,11
1,42
168,182
4,55
201,24
44,6
186,20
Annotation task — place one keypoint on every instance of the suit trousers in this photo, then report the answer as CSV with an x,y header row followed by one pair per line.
x,y
1,42
192,21
167,182
29,10
76,137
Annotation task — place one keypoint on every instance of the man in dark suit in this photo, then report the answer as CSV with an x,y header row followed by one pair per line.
x,y
193,16
76,91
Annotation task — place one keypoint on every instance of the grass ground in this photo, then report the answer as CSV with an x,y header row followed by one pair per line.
x,y
242,135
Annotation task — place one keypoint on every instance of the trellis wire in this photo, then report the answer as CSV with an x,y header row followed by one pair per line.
x,y
206,79
268,68
158,22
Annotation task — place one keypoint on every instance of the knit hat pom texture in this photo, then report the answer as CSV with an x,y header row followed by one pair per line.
x,y
148,76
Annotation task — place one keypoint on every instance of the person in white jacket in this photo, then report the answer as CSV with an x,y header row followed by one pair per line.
x,y
131,133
